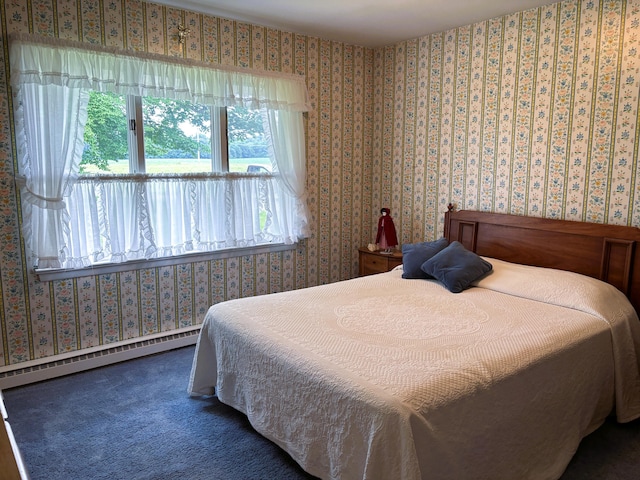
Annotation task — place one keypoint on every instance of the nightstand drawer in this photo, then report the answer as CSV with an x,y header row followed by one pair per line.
x,y
376,262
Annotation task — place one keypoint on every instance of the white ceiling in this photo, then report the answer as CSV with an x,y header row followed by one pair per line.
x,y
370,23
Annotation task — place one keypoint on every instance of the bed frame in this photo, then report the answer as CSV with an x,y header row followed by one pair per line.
x,y
606,252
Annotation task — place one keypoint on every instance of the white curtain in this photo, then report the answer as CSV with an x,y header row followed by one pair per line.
x,y
49,122
86,219
286,135
145,217
45,61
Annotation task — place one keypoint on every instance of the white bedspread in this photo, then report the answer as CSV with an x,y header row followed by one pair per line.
x,y
386,378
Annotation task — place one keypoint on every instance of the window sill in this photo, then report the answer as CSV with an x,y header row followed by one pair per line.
x,y
51,274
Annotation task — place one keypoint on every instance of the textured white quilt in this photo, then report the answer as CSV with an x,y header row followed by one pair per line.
x,y
386,378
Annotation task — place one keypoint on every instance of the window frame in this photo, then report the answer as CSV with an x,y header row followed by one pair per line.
x,y
134,119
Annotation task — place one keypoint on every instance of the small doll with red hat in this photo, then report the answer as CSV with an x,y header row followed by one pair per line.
x,y
386,237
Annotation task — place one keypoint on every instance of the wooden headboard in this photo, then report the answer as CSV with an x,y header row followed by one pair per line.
x,y
606,252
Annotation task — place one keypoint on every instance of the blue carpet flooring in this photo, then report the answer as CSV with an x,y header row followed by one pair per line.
x,y
135,421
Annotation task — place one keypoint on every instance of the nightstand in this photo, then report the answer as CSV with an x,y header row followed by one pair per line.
x,y
376,262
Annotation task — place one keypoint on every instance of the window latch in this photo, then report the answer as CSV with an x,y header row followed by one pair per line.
x,y
132,125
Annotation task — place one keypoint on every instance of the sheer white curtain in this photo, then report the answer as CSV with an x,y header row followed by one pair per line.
x,y
46,61
70,224
49,124
155,216
86,217
109,222
286,134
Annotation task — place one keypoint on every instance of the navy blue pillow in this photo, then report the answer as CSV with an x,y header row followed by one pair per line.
x,y
456,267
415,254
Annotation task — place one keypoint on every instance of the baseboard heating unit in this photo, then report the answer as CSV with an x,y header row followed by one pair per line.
x,y
73,362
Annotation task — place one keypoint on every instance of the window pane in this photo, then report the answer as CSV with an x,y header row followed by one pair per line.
x,y
106,149
247,142
177,136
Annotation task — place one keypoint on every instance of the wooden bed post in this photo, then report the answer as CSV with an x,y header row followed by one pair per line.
x,y
447,214
617,263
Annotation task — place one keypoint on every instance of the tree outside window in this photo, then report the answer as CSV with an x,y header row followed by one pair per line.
x,y
177,136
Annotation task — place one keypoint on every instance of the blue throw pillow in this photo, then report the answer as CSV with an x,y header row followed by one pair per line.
x,y
456,267
415,254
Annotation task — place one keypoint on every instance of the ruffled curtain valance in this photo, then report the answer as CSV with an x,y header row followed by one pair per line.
x,y
43,61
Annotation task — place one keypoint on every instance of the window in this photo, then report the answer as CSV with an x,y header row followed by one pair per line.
x,y
129,134
194,159
173,137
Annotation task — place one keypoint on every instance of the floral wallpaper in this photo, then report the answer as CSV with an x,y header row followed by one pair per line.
x,y
45,319
534,113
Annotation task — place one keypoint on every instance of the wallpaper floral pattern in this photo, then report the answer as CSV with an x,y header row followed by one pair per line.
x,y
43,319
534,113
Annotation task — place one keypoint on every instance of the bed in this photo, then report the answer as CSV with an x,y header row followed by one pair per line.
x,y
385,377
